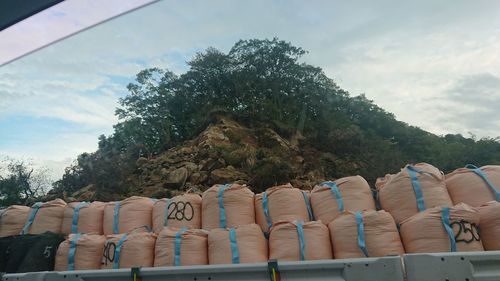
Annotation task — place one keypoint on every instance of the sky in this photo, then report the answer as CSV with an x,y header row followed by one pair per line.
x,y
434,64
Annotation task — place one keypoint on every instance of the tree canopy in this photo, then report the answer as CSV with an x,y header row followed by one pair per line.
x,y
264,83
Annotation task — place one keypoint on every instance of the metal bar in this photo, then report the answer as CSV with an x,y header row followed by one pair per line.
x,y
366,269
463,266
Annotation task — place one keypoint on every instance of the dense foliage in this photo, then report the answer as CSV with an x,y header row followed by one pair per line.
x,y
264,83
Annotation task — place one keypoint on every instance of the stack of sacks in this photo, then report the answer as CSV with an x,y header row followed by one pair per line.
x,y
45,217
242,244
414,189
80,252
133,249
329,199
489,214
83,217
442,229
227,205
175,247
298,241
282,203
124,216
474,186
365,234
177,212
13,219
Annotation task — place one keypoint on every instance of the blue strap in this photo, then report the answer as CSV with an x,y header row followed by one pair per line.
x,y
76,214
412,172
116,215
361,233
178,239
445,218
265,206
31,218
222,211
71,253
116,263
480,173
336,192
165,222
300,233
308,205
235,255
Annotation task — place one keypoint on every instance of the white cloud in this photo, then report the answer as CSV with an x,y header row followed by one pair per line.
x,y
410,58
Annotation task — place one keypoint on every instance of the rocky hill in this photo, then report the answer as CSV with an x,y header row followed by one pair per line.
x,y
226,151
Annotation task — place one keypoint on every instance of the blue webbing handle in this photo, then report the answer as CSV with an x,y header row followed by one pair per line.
x,y
116,263
178,240
222,210
412,172
480,173
235,255
265,206
308,206
76,214
336,193
116,214
31,218
361,233
71,252
445,218
300,234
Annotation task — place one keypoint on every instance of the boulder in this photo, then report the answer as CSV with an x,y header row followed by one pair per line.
x,y
177,178
227,175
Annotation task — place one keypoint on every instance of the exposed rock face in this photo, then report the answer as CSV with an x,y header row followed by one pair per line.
x,y
224,152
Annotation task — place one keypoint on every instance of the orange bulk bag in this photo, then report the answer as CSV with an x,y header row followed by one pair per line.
x,y
227,205
180,211
365,234
474,186
183,246
45,217
489,214
134,249
298,241
123,216
12,220
281,203
242,244
83,217
80,252
329,199
414,189
442,229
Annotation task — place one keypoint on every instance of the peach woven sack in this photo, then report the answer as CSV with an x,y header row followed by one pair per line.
x,y
298,241
183,246
80,252
442,229
414,189
365,234
180,211
243,244
45,217
134,249
474,186
227,205
123,216
329,199
83,217
281,203
489,214
12,220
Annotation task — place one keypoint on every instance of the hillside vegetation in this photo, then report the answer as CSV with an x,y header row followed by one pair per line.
x,y
256,114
